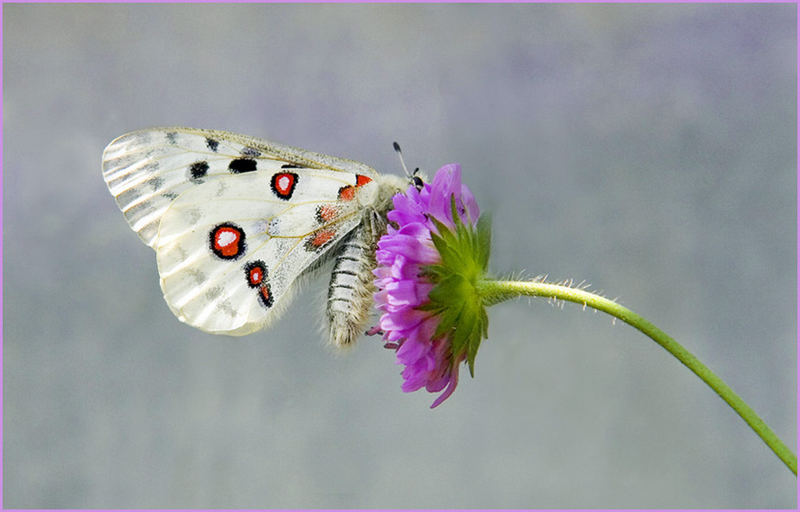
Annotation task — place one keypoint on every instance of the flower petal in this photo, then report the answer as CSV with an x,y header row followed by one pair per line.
x,y
403,289
402,319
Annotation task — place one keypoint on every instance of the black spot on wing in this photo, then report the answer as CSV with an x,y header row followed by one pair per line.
x,y
240,165
155,183
212,144
172,137
290,166
197,171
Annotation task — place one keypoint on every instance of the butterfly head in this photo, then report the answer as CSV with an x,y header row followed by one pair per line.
x,y
414,178
417,180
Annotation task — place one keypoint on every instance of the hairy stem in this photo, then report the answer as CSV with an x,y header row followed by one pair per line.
x,y
498,291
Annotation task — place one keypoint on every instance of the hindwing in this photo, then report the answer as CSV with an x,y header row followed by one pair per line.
x,y
229,251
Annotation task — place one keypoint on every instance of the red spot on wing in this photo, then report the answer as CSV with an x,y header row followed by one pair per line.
x,y
256,275
347,193
265,296
255,272
320,239
323,237
326,213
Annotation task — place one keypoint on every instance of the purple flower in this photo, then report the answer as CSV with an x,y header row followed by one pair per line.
x,y
421,273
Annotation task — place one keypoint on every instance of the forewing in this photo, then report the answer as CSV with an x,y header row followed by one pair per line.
x,y
146,170
230,249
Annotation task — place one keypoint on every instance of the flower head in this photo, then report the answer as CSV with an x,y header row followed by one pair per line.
x,y
429,263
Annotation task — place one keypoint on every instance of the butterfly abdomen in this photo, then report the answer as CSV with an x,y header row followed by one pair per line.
x,y
350,290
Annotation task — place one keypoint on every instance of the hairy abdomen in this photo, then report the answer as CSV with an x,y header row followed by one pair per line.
x,y
351,287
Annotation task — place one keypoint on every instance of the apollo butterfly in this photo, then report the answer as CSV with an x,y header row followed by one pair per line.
x,y
237,221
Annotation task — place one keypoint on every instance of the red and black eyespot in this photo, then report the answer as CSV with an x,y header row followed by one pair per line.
x,y
256,273
265,295
362,180
227,241
283,184
326,213
317,241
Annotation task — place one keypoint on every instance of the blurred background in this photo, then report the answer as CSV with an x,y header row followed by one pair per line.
x,y
647,149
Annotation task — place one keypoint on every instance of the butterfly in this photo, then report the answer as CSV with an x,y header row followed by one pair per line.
x,y
237,221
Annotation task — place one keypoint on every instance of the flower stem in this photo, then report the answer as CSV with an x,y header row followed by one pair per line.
x,y
498,291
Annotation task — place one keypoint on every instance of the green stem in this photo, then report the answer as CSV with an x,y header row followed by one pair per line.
x,y
498,291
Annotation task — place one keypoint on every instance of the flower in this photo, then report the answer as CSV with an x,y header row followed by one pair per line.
x,y
430,262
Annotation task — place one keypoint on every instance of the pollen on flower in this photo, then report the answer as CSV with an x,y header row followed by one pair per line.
x,y
426,260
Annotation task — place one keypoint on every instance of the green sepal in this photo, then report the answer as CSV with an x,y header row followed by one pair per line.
x,y
447,288
484,239
464,250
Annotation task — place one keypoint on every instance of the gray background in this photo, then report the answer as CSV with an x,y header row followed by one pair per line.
x,y
649,150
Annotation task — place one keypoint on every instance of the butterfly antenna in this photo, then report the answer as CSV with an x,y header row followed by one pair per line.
x,y
400,154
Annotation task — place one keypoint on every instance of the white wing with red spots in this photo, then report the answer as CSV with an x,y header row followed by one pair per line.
x,y
147,169
235,221
230,250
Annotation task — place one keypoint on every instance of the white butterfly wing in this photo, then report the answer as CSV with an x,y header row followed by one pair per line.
x,y
229,250
234,220
147,169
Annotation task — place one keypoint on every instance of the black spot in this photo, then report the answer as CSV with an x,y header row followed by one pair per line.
x,y
170,196
212,144
198,170
242,165
155,183
248,151
172,137
290,166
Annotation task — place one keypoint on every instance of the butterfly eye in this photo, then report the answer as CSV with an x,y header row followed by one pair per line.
x,y
418,183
